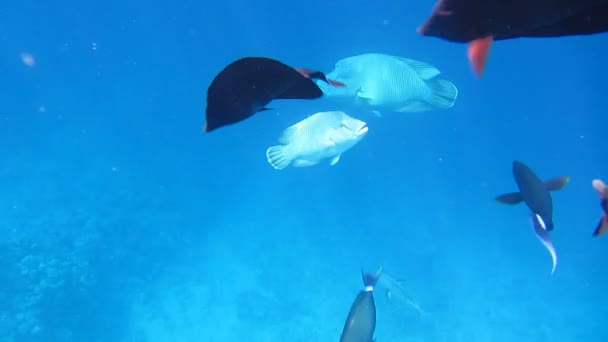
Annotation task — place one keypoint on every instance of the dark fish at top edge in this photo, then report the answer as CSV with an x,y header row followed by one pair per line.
x,y
480,22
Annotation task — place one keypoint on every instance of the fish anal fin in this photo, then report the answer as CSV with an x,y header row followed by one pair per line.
x,y
304,163
557,183
602,226
478,52
510,198
415,107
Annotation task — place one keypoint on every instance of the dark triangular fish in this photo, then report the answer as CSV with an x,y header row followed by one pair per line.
x,y
247,85
479,22
602,190
361,321
537,196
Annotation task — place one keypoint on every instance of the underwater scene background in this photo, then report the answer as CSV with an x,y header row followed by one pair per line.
x,y
121,220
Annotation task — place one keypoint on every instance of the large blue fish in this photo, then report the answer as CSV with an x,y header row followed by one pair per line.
x,y
536,194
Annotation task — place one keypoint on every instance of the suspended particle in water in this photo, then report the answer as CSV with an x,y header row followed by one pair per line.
x,y
28,59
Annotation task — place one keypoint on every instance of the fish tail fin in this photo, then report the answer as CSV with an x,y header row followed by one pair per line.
x,y
601,227
277,157
444,93
478,52
541,231
370,279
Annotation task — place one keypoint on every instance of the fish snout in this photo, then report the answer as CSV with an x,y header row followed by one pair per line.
x,y
362,129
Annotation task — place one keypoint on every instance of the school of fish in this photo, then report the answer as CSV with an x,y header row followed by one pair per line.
x,y
383,83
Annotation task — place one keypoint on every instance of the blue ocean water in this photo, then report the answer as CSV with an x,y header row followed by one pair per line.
x,y
121,220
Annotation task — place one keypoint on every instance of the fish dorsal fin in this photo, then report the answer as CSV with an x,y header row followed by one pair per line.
x,y
288,134
424,70
557,183
510,198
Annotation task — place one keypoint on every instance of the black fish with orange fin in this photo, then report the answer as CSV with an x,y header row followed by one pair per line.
x,y
602,190
534,192
246,86
480,22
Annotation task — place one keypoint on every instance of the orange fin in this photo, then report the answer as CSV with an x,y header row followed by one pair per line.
x,y
602,226
478,52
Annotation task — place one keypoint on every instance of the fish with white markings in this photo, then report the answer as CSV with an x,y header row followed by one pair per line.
x,y
385,82
324,135
536,194
360,324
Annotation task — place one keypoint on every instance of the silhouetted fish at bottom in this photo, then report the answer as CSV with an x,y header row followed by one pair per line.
x,y
360,324
536,194
247,85
602,191
480,22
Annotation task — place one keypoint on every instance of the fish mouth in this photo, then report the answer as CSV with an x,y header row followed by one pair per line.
x,y
362,130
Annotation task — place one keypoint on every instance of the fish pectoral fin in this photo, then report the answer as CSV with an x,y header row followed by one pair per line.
x,y
377,113
601,227
335,160
557,183
510,198
361,94
304,163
